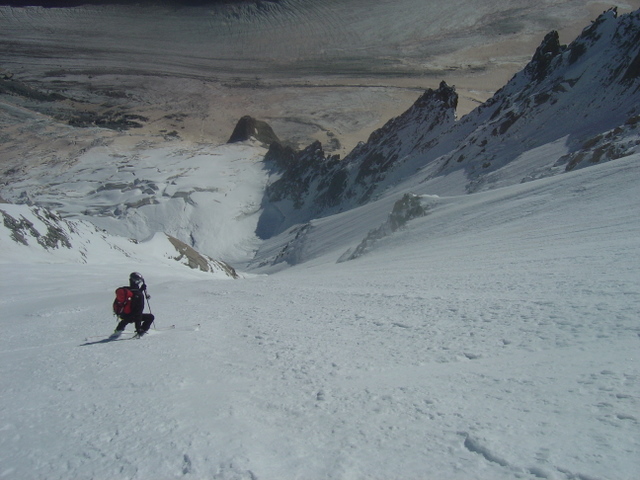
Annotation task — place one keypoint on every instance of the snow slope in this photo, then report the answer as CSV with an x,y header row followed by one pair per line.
x,y
494,338
207,196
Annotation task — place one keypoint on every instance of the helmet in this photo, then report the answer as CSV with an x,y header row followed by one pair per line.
x,y
136,279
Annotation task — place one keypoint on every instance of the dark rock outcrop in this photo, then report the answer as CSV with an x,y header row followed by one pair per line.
x,y
248,127
549,49
417,129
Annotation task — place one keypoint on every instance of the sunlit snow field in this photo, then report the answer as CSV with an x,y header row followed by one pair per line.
x,y
496,337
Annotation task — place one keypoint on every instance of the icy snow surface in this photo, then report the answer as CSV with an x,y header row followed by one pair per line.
x,y
496,337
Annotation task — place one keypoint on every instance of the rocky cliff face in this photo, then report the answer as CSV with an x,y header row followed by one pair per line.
x,y
309,183
583,99
416,130
566,95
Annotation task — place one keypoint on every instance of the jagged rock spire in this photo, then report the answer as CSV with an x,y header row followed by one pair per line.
x,y
549,49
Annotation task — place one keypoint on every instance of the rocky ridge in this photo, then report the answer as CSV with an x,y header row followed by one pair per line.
x,y
583,98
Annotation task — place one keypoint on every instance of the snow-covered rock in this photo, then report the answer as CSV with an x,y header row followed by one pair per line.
x,y
206,196
408,208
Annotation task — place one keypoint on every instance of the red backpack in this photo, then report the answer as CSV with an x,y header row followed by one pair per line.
x,y
123,302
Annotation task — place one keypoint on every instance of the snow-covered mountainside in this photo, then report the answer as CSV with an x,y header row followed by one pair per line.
x,y
209,198
570,107
579,103
456,299
35,234
495,337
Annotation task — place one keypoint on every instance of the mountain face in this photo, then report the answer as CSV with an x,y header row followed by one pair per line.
x,y
570,107
579,103
44,235
312,183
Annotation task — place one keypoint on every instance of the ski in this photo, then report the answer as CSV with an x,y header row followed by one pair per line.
x,y
195,327
109,338
154,331
124,333
131,335
112,336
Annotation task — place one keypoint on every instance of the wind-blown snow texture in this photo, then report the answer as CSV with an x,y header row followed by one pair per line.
x,y
445,328
496,337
